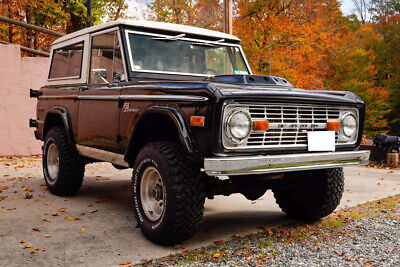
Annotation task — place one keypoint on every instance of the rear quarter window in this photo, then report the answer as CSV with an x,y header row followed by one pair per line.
x,y
67,62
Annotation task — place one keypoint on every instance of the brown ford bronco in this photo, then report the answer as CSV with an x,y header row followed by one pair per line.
x,y
180,106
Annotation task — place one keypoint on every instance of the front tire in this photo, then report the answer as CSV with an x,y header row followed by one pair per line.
x,y
62,168
168,193
313,194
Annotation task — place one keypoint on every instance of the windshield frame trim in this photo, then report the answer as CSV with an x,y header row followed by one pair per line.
x,y
127,32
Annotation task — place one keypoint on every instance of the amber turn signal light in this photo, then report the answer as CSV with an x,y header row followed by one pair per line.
x,y
260,125
197,120
333,126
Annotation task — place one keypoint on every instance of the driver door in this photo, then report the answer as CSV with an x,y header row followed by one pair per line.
x,y
98,115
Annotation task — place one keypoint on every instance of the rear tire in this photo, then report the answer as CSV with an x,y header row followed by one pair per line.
x,y
62,167
168,193
314,195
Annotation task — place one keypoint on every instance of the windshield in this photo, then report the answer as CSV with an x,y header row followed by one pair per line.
x,y
168,54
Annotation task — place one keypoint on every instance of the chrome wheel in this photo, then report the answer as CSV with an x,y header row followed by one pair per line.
x,y
152,193
52,161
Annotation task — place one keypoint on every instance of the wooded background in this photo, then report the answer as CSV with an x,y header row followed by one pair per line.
x,y
309,42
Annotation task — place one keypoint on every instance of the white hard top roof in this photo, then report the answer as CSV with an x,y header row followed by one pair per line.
x,y
155,25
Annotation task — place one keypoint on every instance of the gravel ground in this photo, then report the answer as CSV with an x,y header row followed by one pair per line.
x,y
343,239
375,242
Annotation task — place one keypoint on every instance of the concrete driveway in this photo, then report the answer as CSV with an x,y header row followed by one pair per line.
x,y
97,226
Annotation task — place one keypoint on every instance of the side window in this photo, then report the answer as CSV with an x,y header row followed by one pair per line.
x,y
106,61
67,62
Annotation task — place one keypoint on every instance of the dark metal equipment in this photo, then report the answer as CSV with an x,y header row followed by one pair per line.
x,y
387,141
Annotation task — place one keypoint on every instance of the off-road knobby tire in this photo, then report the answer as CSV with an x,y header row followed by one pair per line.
x,y
71,167
184,189
314,194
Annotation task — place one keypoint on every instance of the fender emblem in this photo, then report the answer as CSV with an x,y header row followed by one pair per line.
x,y
127,108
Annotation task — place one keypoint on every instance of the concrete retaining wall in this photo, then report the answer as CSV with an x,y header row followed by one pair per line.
x,y
17,75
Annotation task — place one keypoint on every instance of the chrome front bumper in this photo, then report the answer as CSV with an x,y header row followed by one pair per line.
x,y
283,163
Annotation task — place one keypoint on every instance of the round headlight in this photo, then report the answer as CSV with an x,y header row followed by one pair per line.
x,y
238,125
348,125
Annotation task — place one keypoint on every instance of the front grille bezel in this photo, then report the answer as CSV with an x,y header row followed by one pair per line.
x,y
286,132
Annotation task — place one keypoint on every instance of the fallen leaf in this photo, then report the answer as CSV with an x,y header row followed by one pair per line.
x,y
47,236
217,255
113,214
36,229
43,249
219,242
90,205
125,263
92,211
29,246
22,241
82,229
68,218
34,251
236,236
360,223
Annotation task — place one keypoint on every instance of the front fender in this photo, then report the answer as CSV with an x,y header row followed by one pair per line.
x,y
181,124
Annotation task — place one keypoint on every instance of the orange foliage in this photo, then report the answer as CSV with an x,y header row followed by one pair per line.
x,y
299,34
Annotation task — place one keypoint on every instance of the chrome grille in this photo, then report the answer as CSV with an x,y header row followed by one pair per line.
x,y
289,124
302,118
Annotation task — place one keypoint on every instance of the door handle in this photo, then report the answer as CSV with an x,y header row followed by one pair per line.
x,y
83,88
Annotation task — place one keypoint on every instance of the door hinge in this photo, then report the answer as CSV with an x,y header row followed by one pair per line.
x,y
119,139
120,103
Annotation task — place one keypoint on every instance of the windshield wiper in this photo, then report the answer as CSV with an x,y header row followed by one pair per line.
x,y
208,44
203,44
169,38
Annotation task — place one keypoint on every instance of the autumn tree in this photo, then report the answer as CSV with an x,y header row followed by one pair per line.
x,y
290,38
58,15
386,15
362,8
46,14
173,11
208,14
352,67
205,13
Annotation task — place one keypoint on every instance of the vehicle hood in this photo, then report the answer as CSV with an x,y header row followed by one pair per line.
x,y
262,92
255,87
